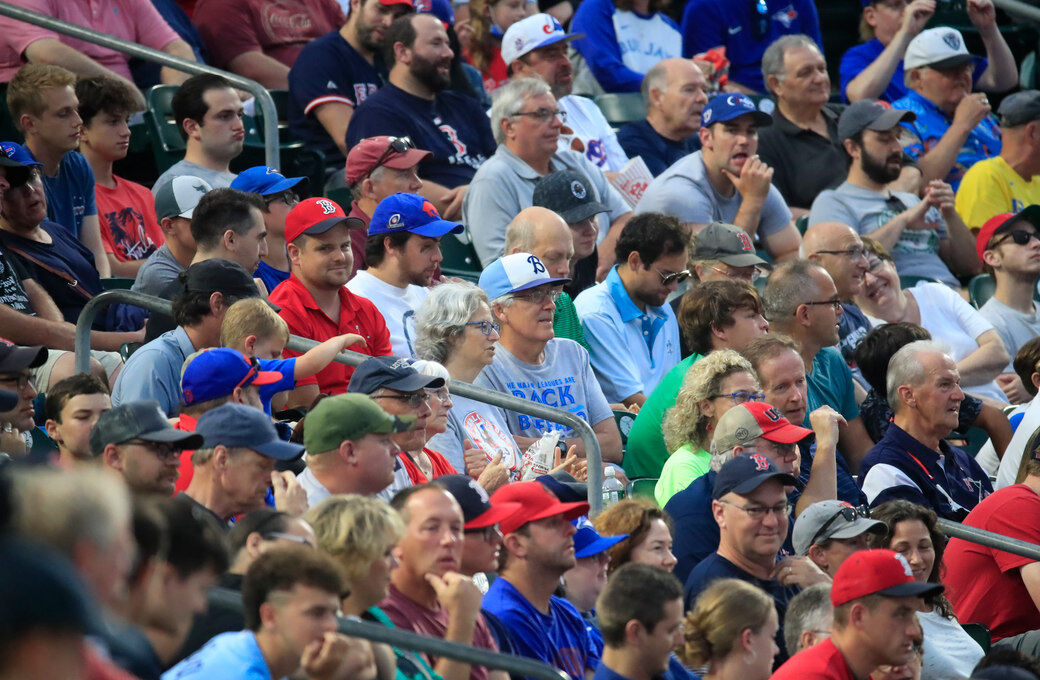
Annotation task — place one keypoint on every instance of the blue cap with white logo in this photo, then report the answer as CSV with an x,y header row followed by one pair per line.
x,y
531,33
514,273
724,107
411,213
264,180
18,153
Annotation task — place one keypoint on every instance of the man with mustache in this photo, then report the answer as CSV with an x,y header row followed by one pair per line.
x,y
416,103
926,237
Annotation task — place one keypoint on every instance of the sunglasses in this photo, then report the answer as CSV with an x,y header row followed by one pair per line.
x,y
1020,236
254,369
394,145
847,513
672,277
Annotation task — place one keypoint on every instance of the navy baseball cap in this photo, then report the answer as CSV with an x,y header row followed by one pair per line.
x,y
743,474
16,173
18,153
390,372
589,542
238,425
514,273
265,180
564,486
411,213
477,510
216,372
724,107
14,358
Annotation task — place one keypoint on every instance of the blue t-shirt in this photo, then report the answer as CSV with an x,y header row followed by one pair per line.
x,y
830,384
287,368
676,671
931,124
736,25
857,58
558,638
228,655
329,70
70,193
657,151
452,126
714,567
271,276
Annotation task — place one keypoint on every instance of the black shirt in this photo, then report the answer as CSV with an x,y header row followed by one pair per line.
x,y
803,162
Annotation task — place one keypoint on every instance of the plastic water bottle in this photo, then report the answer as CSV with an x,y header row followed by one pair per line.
x,y
613,491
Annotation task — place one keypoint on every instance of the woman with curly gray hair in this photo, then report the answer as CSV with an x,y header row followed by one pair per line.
x,y
712,386
455,328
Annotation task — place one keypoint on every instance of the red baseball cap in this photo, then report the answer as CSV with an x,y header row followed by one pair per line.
x,y
537,503
877,572
372,152
747,422
390,3
316,216
1002,222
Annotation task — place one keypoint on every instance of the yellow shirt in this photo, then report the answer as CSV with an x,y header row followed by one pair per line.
x,y
992,187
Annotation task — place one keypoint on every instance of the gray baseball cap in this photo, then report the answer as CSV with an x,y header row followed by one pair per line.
x,y
139,420
726,243
1020,108
569,194
870,115
179,196
831,519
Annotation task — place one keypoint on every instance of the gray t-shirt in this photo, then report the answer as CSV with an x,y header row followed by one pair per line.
x,y
916,253
484,425
684,192
504,185
1014,328
217,180
564,380
157,273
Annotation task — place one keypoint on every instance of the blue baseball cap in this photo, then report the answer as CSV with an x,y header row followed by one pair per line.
x,y
724,107
589,542
264,180
18,153
439,8
514,273
411,213
237,425
214,373
744,473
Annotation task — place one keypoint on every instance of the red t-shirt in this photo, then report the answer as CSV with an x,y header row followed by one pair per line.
x,y
129,227
496,74
441,466
305,318
984,584
819,662
185,423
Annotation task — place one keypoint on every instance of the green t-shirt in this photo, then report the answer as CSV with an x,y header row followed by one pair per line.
x,y
566,323
682,467
410,665
645,453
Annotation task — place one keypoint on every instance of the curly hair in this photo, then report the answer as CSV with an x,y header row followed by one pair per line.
x,y
684,423
894,512
632,516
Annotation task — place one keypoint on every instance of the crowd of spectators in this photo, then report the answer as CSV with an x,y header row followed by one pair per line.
x,y
805,344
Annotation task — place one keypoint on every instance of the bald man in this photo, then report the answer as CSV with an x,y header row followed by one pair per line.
x,y
543,233
674,96
838,249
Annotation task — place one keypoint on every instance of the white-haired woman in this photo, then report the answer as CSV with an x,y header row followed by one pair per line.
x,y
454,327
712,386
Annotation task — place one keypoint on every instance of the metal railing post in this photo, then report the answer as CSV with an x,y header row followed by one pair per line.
x,y
272,152
989,539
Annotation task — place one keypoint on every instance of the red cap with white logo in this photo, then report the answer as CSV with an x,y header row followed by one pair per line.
x,y
315,216
877,572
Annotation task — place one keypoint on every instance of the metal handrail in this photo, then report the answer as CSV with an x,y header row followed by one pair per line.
x,y
517,666
299,344
272,152
989,539
1020,9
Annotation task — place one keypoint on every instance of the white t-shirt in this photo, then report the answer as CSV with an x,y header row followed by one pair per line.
x,y
954,323
1014,327
1009,464
645,40
397,306
949,652
598,140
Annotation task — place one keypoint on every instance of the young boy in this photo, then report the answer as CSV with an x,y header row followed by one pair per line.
x,y
130,231
72,407
43,104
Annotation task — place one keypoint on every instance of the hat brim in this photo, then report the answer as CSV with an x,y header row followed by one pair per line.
x,y
599,545
327,224
550,41
437,229
788,433
568,510
397,424
861,526
287,183
749,485
563,489
411,383
537,282
498,512
913,589
583,212
1030,213
266,377
24,356
408,159
951,62
8,400
183,440
760,118
890,118
279,450
739,259
16,173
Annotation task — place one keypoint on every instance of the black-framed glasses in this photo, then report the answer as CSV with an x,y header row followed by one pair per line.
x,y
538,296
846,512
544,115
759,512
834,303
19,380
414,399
489,534
741,396
394,145
486,327
760,28
1020,236
852,252
668,278
289,197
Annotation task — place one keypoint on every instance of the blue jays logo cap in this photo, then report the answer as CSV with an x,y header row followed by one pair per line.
x,y
725,107
514,273
531,33
411,213
265,180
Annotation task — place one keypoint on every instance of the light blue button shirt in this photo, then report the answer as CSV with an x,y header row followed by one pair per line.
x,y
631,349
154,372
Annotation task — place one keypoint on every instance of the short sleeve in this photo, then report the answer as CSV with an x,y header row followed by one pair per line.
x,y
151,29
228,27
491,202
679,197
16,36
319,77
775,213
829,208
982,194
852,64
968,318
1008,522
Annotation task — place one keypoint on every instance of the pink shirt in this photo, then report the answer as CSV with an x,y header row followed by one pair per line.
x,y
134,20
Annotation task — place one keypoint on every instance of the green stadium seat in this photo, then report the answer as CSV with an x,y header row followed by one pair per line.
x,y
911,281
621,108
980,289
460,259
117,283
624,420
980,633
642,488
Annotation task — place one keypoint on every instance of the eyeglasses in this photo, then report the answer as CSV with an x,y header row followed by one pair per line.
x,y
394,145
544,115
669,278
278,535
289,197
486,327
441,393
414,399
781,452
538,296
160,449
759,512
848,513
489,534
19,381
853,253
761,26
732,272
835,303
1020,236
741,396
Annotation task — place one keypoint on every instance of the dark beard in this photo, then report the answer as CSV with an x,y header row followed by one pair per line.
x,y
364,36
877,172
425,71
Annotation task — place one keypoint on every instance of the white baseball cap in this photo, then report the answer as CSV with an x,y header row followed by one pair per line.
x,y
941,47
530,33
179,196
514,273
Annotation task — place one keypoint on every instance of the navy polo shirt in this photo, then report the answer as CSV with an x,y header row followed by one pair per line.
x,y
657,151
948,481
